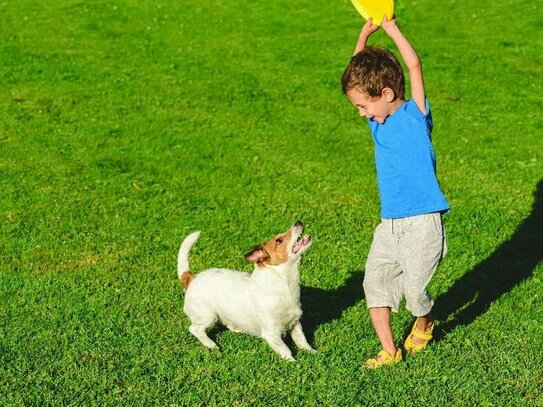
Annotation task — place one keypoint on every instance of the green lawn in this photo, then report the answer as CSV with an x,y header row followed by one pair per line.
x,y
127,124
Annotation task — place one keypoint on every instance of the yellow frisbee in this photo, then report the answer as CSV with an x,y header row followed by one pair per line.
x,y
375,9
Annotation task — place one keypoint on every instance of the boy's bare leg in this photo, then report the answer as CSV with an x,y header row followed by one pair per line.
x,y
380,317
423,323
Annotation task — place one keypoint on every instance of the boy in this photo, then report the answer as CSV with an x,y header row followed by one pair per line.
x,y
410,241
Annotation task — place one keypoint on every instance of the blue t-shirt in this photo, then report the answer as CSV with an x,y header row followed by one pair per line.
x,y
406,164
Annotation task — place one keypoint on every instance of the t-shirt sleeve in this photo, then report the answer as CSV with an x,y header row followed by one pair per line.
x,y
413,110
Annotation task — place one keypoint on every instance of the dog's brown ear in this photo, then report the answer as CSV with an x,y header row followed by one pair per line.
x,y
256,255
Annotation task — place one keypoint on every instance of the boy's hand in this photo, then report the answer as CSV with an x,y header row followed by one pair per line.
x,y
388,25
368,29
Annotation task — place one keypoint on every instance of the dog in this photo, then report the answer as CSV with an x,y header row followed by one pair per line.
x,y
265,303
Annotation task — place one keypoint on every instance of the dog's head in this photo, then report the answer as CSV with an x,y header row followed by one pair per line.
x,y
284,248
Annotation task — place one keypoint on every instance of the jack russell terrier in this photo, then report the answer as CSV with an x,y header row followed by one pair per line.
x,y
265,303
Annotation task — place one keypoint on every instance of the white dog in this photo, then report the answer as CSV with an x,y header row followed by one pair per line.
x,y
265,303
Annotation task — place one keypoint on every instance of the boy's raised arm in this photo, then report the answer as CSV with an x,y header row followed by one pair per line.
x,y
411,60
368,29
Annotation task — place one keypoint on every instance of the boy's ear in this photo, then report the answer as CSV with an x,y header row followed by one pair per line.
x,y
388,94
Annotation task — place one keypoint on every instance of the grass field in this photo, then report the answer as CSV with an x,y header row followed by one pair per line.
x,y
127,124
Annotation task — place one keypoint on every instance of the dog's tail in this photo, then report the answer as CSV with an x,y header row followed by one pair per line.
x,y
183,269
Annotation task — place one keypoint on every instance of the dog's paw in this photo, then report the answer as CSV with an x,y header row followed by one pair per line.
x,y
211,345
288,357
308,349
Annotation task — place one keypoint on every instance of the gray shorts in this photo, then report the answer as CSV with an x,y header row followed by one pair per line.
x,y
403,257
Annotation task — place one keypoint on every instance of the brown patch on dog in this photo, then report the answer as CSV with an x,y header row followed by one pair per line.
x,y
277,249
257,255
274,252
186,278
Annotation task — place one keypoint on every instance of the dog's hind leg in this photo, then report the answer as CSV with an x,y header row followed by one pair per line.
x,y
297,335
201,319
276,343
199,331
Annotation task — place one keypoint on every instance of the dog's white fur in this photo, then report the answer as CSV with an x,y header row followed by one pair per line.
x,y
265,303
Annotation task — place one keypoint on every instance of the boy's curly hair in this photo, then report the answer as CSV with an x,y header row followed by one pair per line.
x,y
373,69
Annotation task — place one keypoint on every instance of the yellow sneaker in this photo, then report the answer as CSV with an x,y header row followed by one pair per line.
x,y
411,347
386,359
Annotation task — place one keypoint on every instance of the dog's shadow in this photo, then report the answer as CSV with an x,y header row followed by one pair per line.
x,y
511,263
321,306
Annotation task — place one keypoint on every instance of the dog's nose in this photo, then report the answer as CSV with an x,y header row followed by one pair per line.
x,y
299,223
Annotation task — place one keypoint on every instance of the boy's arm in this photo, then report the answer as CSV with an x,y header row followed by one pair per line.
x,y
367,30
411,60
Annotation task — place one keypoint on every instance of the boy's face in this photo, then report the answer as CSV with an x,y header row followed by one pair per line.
x,y
374,108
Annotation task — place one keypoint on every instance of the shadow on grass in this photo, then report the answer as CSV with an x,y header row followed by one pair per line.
x,y
321,306
512,263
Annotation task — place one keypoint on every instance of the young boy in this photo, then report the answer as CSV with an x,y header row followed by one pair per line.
x,y
410,241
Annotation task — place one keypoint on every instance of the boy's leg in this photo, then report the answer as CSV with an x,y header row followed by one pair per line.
x,y
383,286
423,246
383,280
420,335
380,317
423,324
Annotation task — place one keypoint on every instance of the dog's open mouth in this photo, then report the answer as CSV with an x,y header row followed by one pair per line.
x,y
303,241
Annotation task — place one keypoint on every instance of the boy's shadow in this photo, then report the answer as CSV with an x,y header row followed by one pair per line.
x,y
469,297
512,263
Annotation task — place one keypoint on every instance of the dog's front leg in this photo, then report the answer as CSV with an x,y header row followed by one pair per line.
x,y
297,335
276,343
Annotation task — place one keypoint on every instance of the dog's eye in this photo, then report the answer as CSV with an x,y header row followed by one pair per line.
x,y
279,240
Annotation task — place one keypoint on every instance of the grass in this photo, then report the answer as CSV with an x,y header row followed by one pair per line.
x,y
125,125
